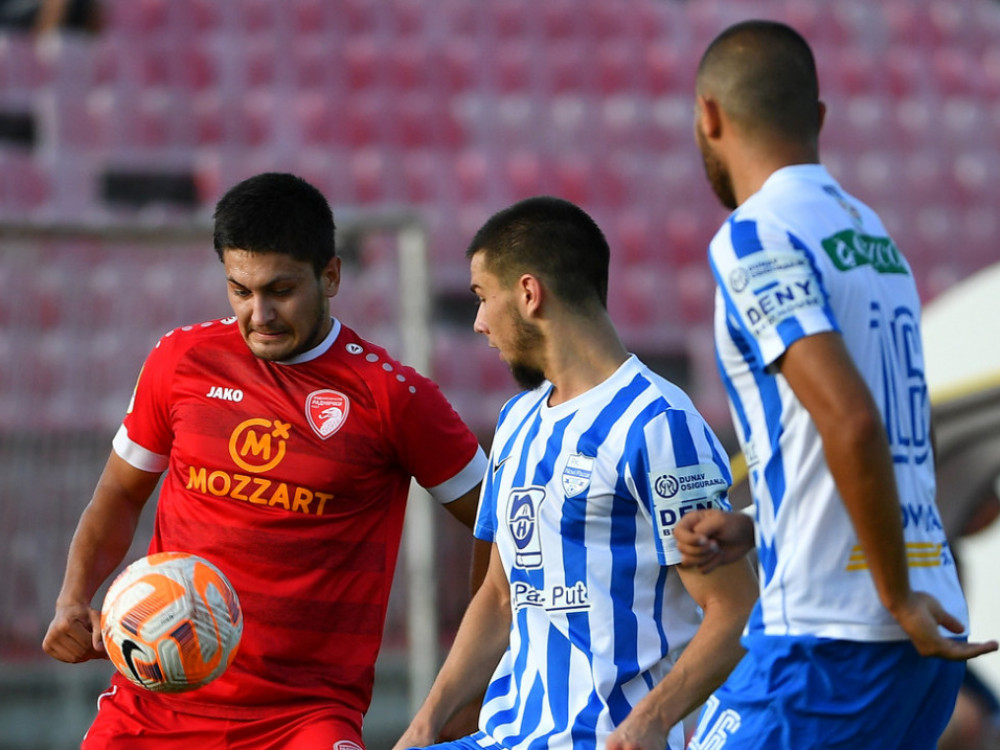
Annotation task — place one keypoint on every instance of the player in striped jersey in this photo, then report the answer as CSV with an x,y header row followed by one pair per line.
x,y
818,338
586,631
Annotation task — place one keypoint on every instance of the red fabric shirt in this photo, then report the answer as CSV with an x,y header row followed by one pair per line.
x,y
292,478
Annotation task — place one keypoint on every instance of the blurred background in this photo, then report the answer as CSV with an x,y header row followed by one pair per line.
x,y
123,121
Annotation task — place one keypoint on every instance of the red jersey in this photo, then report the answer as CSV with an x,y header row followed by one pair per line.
x,y
292,477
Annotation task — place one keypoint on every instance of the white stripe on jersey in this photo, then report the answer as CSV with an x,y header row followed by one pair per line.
x,y
581,499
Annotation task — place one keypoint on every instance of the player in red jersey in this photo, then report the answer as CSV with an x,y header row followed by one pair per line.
x,y
286,444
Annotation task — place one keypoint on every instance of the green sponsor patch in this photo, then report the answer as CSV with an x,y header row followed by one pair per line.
x,y
850,249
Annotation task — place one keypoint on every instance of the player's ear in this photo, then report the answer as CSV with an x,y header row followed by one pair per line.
x,y
822,113
709,115
530,291
329,277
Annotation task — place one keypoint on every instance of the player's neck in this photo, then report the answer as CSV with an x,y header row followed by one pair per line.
x,y
581,357
751,172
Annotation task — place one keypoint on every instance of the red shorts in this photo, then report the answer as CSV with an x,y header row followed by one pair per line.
x,y
127,720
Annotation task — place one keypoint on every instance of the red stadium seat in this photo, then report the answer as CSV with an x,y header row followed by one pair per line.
x,y
524,173
423,177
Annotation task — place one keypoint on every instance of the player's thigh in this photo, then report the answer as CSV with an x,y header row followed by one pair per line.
x,y
125,721
295,729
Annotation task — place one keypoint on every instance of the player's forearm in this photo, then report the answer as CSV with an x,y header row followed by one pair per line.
x,y
98,546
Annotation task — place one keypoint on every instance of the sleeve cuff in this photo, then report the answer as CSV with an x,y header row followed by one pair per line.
x,y
462,482
137,456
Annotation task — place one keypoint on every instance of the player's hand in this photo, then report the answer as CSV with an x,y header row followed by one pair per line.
x,y
707,539
74,635
921,615
638,733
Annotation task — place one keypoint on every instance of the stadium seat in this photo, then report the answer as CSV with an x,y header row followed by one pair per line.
x,y
361,60
561,19
137,18
24,69
311,19
368,176
567,68
460,64
25,185
644,303
631,239
314,68
524,173
424,178
415,123
471,176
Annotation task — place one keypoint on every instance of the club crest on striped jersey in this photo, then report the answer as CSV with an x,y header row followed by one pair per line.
x,y
576,475
522,521
327,411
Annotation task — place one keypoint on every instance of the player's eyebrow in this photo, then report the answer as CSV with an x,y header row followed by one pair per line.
x,y
280,279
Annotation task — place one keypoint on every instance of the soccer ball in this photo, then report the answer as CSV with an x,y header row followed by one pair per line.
x,y
171,622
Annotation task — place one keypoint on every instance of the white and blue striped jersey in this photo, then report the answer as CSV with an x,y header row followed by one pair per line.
x,y
799,257
581,499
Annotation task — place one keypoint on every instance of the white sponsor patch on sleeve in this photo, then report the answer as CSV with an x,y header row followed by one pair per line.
x,y
770,288
679,490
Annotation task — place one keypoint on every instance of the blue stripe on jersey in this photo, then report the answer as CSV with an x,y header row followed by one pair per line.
x,y
557,656
743,235
546,464
661,615
720,460
685,450
505,409
742,338
818,275
509,686
770,398
734,398
586,739
531,432
533,706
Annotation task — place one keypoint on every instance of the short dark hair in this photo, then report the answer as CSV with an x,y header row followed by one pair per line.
x,y
553,239
763,75
276,212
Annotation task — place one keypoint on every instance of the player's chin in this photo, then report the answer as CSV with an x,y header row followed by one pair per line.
x,y
271,351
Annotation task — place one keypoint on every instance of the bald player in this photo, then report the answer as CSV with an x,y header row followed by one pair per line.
x,y
859,635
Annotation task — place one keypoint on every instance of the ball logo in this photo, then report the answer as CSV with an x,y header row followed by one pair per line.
x,y
327,411
258,445
666,485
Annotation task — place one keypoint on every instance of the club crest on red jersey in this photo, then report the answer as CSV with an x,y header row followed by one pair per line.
x,y
327,411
